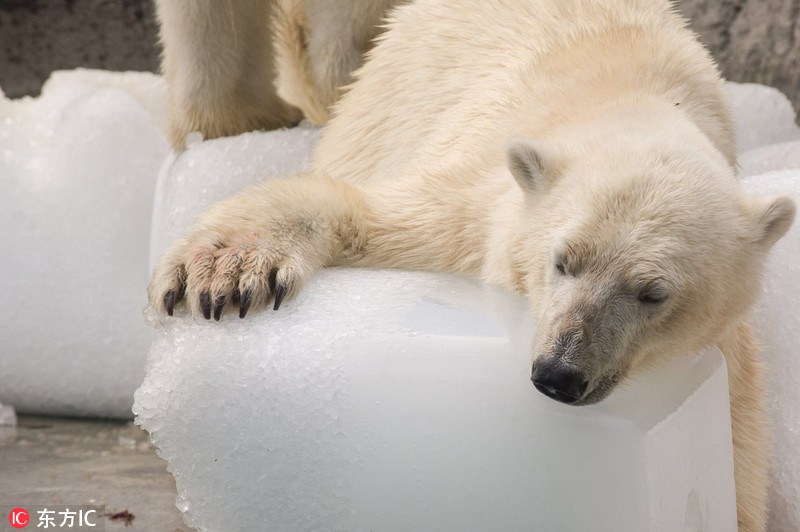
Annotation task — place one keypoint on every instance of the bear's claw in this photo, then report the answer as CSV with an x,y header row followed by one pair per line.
x,y
219,302
272,280
169,302
245,302
205,304
280,293
244,269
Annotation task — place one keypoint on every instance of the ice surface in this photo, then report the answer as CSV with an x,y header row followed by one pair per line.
x,y
77,173
394,400
763,115
778,323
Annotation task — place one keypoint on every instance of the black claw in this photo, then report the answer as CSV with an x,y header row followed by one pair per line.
x,y
280,293
218,304
205,304
169,302
245,302
272,280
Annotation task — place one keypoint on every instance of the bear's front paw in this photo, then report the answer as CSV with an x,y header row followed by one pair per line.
x,y
248,272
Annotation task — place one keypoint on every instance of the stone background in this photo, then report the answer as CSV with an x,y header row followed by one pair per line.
x,y
754,40
39,36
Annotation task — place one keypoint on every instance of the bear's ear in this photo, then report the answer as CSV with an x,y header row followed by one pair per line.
x,y
772,216
529,163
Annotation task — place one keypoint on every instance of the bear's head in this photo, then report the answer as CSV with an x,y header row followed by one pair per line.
x,y
633,256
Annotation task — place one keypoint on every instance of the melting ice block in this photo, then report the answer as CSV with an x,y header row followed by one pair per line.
x,y
77,175
394,400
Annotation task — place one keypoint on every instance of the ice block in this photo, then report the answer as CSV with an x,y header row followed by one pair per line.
x,y
78,167
394,400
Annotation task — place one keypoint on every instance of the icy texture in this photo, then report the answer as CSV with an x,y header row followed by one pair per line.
x,y
778,323
763,115
211,171
77,174
394,400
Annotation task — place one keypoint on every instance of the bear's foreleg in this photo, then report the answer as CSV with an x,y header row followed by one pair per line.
x,y
434,222
751,445
218,62
267,241
261,244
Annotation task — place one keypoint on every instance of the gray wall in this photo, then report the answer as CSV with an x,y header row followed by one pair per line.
x,y
39,36
754,40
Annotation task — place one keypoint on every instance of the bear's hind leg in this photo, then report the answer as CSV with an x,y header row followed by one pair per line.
x,y
318,46
218,62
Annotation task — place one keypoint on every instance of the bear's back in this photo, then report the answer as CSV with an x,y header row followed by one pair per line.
x,y
452,80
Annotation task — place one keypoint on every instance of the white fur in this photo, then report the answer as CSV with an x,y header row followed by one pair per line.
x,y
319,44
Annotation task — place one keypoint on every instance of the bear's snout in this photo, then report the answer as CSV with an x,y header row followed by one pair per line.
x,y
559,381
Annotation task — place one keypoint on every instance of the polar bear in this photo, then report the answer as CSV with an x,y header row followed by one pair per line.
x,y
240,65
579,152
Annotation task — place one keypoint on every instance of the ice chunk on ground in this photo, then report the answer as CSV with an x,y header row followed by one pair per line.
x,y
36,118
778,324
77,172
762,115
8,417
782,156
395,400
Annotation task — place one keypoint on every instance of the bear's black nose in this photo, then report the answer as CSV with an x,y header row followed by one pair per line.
x,y
559,382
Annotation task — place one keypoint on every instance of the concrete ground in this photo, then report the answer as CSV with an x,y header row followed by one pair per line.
x,y
84,462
